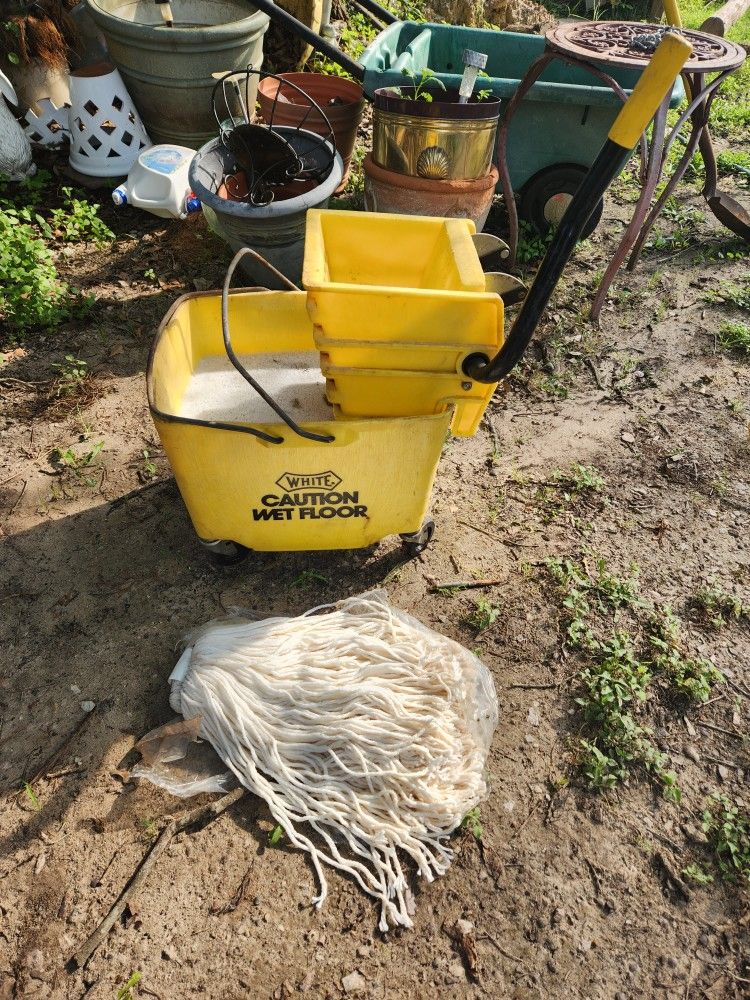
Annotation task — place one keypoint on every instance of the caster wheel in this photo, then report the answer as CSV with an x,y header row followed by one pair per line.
x,y
545,198
419,540
225,553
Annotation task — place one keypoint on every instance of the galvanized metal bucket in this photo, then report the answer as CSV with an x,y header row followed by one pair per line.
x,y
168,70
438,139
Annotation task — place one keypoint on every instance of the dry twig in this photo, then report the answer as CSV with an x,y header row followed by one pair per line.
x,y
197,815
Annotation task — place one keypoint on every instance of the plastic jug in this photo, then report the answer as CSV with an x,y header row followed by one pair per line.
x,y
158,182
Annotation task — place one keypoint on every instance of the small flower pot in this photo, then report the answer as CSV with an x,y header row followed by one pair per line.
x,y
390,191
341,101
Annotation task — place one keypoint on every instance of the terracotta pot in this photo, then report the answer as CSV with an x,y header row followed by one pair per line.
x,y
291,108
388,191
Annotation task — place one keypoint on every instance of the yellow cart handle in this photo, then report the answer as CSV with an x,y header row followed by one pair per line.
x,y
652,88
672,13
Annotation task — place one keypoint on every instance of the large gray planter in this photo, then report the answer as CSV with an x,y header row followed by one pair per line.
x,y
168,70
276,231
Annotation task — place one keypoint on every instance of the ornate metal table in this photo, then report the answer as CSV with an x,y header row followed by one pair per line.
x,y
595,44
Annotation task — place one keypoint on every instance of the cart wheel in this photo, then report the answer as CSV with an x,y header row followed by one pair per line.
x,y
225,553
547,195
419,540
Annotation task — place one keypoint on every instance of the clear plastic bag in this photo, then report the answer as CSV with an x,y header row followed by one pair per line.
x,y
173,758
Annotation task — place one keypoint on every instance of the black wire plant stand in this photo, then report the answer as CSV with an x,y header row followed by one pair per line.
x,y
274,159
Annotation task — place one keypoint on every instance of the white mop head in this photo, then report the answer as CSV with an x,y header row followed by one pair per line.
x,y
359,724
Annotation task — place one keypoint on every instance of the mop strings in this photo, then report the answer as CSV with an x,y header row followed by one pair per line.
x,y
359,724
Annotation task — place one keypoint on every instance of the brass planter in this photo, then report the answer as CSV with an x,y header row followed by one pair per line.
x,y
437,140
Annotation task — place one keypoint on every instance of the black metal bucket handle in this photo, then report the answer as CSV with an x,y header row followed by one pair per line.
x,y
292,424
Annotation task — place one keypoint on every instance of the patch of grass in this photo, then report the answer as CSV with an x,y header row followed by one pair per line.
x,y
31,795
310,578
484,615
735,336
717,606
728,292
621,668
727,827
125,992
472,823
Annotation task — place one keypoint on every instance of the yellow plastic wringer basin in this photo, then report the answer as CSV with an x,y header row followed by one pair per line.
x,y
374,479
397,304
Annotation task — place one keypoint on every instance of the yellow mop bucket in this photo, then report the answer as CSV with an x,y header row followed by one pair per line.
x,y
253,479
278,469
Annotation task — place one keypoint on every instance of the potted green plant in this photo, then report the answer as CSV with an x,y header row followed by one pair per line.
x,y
432,151
425,130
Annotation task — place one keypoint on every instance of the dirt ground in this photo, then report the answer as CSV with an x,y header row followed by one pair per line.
x,y
571,894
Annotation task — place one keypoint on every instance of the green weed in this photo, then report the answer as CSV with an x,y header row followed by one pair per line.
x,y
310,578
31,795
420,84
581,478
148,465
77,221
472,823
738,295
149,827
718,607
696,874
691,676
356,35
484,615
736,163
613,684
728,830
275,835
126,992
735,336
68,458
532,246
73,373
31,293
